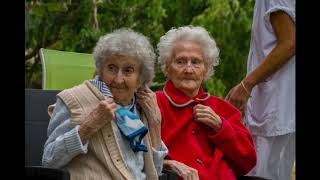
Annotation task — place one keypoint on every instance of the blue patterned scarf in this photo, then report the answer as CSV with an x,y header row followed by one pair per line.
x,y
126,118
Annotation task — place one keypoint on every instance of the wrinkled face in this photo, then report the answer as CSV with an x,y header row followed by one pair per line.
x,y
121,74
186,68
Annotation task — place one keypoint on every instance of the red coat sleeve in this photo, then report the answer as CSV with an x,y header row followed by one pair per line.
x,y
236,143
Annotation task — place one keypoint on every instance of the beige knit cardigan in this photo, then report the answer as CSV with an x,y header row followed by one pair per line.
x,y
103,159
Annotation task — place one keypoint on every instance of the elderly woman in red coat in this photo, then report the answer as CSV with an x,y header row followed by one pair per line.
x,y
204,134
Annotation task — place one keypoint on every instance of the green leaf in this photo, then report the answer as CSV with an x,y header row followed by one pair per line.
x,y
37,11
56,6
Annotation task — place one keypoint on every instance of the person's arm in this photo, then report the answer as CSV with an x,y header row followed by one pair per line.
x,y
285,30
147,99
63,141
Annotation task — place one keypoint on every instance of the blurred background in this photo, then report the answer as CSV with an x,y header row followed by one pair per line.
x,y
76,25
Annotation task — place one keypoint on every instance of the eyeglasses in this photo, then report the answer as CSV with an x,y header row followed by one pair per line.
x,y
182,62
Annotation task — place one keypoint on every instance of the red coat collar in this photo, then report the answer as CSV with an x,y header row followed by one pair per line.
x,y
179,99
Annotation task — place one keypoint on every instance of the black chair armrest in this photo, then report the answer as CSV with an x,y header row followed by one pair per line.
x,y
44,173
170,175
163,176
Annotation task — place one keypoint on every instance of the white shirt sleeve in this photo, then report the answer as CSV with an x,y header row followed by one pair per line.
x,y
158,157
288,6
63,141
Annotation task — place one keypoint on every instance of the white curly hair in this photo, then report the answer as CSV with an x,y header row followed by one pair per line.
x,y
127,42
191,33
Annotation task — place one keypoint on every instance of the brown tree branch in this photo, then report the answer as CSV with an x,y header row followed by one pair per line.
x,y
33,53
95,15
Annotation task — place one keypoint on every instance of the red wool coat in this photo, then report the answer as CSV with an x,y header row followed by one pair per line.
x,y
224,154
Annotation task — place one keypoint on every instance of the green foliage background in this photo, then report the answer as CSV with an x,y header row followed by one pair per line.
x,y
73,25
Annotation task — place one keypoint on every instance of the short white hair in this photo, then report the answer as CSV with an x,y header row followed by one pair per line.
x,y
190,33
127,42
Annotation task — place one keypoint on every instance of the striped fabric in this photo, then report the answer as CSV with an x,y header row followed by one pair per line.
x,y
101,86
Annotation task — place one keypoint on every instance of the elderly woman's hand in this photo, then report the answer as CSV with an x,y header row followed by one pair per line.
x,y
102,114
147,99
186,172
206,115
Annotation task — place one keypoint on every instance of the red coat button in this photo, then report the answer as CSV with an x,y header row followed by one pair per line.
x,y
199,161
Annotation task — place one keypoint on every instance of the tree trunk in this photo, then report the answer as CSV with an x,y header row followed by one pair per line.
x,y
95,15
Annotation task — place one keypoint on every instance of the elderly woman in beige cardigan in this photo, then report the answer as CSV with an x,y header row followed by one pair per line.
x,y
84,134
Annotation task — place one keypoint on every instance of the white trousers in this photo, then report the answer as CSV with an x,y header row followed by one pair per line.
x,y
275,156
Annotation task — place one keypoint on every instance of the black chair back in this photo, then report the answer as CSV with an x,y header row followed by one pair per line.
x,y
36,123
43,173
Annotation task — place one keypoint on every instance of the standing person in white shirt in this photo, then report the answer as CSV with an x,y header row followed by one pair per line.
x,y
266,95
